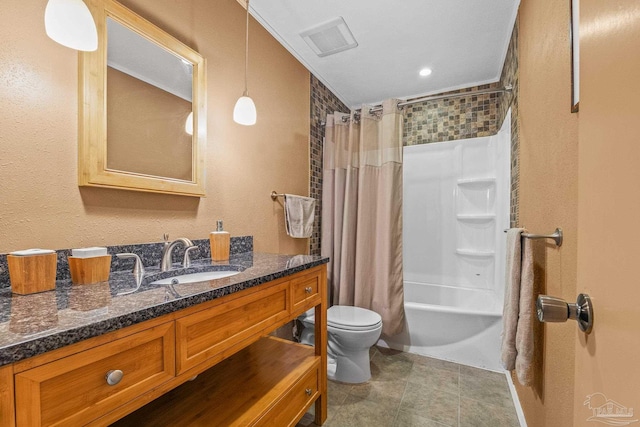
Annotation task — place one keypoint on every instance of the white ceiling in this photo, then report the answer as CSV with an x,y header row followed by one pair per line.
x,y
464,42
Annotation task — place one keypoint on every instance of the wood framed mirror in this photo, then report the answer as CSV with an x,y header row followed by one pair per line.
x,y
142,112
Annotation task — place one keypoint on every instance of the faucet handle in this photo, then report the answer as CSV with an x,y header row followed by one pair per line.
x,y
138,268
186,262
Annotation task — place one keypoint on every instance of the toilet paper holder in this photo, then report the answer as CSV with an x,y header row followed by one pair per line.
x,y
553,309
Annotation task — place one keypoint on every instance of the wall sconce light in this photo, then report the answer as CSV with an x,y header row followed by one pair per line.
x,y
244,112
69,22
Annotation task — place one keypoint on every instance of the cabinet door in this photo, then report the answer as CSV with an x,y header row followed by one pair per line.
x,y
215,333
305,290
74,390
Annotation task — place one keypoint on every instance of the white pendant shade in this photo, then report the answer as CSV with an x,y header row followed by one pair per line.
x,y
70,23
244,113
188,124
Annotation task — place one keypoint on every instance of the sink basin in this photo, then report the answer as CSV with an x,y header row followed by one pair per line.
x,y
195,277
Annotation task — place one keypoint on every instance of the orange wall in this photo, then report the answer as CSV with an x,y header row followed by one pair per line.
x,y
548,196
40,202
606,360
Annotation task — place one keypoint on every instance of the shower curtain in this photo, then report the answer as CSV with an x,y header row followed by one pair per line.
x,y
362,212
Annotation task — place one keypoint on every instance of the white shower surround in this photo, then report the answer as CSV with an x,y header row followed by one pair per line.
x,y
455,211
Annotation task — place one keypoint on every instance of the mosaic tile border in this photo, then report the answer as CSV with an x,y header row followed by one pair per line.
x,y
323,102
510,76
451,119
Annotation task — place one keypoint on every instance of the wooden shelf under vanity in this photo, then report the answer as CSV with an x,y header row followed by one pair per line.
x,y
269,383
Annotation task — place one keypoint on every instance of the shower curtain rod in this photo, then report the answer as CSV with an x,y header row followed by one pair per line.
x,y
506,88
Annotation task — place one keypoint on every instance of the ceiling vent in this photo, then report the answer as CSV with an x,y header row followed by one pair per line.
x,y
331,37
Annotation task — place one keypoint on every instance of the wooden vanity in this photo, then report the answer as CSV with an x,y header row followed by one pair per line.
x,y
244,377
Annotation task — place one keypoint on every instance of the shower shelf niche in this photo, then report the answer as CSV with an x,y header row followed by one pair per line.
x,y
475,197
476,217
476,182
474,253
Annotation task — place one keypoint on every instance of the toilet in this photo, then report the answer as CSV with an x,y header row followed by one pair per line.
x,y
351,333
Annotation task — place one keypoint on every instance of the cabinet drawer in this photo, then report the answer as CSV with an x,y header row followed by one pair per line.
x,y
305,291
293,404
74,390
223,329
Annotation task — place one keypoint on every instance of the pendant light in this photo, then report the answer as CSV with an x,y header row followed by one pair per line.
x,y
188,124
69,22
244,112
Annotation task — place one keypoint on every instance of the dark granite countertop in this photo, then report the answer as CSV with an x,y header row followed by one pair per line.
x,y
37,323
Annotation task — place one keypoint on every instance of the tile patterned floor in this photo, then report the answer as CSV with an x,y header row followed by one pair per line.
x,y
408,390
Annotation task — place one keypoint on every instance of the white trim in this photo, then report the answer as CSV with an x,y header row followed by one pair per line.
x,y
516,400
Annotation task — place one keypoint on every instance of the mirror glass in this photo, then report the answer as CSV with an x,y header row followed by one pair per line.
x,y
142,109
149,100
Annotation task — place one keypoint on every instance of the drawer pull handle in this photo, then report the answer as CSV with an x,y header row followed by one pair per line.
x,y
308,289
308,391
114,376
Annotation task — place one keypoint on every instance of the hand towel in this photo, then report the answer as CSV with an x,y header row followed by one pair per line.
x,y
517,335
299,213
524,334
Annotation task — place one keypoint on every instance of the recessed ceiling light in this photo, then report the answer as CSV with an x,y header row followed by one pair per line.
x,y
425,72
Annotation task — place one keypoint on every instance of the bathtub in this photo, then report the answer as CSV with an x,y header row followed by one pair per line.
x,y
455,208
462,325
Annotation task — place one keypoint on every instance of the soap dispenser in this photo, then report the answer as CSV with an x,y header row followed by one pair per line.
x,y
220,241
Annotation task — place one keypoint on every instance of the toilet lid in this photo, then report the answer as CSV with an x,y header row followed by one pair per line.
x,y
353,318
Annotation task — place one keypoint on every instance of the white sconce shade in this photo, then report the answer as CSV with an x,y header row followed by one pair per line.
x,y
188,125
70,23
244,113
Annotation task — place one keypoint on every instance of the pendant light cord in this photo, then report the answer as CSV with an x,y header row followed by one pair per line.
x,y
246,54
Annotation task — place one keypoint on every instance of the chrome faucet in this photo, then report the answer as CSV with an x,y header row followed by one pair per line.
x,y
167,252
138,268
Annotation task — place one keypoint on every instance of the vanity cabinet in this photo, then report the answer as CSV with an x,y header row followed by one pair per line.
x,y
244,377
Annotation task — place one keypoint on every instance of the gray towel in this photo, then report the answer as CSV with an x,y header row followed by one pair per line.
x,y
299,213
517,336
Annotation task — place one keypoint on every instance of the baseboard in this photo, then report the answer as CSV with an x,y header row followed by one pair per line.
x,y
516,400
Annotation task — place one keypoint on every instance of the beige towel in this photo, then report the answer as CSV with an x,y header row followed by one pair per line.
x,y
299,213
517,338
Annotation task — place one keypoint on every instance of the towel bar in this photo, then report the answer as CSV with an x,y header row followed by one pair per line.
x,y
275,195
557,236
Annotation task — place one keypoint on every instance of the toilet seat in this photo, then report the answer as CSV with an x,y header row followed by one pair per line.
x,y
347,318
352,318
